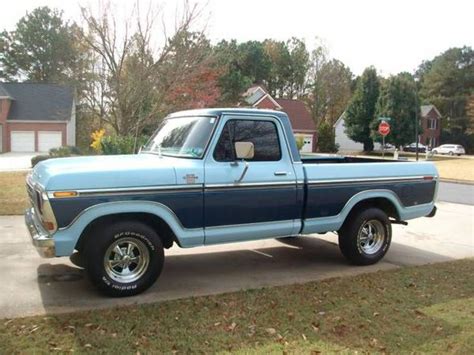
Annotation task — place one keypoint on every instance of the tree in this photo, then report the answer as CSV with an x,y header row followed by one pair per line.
x,y
329,86
43,47
232,81
280,67
398,100
361,110
139,83
448,82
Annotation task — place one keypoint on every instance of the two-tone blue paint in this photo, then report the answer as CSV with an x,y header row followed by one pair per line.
x,y
284,197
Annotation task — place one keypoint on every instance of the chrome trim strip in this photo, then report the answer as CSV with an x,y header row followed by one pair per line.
x,y
251,184
381,179
130,190
225,226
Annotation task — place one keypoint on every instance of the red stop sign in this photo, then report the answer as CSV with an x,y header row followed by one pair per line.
x,y
384,128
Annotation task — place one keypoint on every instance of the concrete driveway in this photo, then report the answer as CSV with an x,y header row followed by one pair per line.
x,y
31,285
16,161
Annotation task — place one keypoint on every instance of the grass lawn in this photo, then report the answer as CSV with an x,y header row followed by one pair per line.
x,y
458,169
411,310
449,167
13,196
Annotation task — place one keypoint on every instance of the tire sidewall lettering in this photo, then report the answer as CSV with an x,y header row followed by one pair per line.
x,y
135,235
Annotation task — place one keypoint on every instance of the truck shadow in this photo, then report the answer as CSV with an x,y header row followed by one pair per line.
x,y
205,271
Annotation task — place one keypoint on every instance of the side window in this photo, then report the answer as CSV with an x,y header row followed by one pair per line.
x,y
263,135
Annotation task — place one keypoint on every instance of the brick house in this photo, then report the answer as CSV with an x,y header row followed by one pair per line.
x,y
431,125
300,117
36,117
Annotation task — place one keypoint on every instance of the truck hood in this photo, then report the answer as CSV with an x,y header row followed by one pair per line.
x,y
112,171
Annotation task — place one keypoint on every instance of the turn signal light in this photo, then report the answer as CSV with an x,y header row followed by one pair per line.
x,y
62,194
49,226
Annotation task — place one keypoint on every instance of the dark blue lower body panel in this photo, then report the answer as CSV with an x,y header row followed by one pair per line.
x,y
326,200
230,206
186,205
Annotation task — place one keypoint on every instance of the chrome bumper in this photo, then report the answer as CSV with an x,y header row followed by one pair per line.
x,y
42,240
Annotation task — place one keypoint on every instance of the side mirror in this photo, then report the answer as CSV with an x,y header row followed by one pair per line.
x,y
244,150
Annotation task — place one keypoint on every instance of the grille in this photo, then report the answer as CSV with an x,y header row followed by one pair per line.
x,y
35,198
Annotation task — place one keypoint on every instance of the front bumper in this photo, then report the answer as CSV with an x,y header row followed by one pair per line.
x,y
40,238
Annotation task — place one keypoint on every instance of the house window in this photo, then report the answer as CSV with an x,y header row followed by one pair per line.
x,y
432,123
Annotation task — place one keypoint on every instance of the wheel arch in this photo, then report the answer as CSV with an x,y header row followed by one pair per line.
x,y
154,214
165,233
383,203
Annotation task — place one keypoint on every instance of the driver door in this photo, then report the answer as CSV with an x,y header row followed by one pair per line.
x,y
260,203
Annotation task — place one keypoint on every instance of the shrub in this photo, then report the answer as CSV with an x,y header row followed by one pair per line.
x,y
326,139
112,145
97,137
299,142
36,159
65,151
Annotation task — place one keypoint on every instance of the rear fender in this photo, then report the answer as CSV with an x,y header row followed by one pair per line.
x,y
334,223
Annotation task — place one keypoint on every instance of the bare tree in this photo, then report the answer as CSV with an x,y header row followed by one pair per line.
x,y
133,78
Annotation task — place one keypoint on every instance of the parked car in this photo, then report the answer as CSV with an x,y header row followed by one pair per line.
x,y
412,148
389,146
451,149
216,176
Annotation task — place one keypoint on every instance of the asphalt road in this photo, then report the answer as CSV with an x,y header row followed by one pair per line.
x,y
31,285
456,193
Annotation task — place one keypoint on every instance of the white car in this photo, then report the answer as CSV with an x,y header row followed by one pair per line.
x,y
450,149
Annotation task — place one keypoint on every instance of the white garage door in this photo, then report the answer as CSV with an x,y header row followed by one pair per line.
x,y
48,140
22,141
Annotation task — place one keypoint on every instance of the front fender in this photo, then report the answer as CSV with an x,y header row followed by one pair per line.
x,y
66,238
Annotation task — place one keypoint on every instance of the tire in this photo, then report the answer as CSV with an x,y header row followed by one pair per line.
x,y
435,152
354,242
451,153
124,258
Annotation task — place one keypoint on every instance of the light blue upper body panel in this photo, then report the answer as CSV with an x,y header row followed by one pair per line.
x,y
113,171
323,172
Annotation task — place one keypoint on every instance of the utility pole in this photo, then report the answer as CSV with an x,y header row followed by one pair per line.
x,y
416,124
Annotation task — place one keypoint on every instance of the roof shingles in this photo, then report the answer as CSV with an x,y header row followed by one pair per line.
x,y
38,102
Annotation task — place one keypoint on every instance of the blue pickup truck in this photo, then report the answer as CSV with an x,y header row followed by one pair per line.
x,y
216,176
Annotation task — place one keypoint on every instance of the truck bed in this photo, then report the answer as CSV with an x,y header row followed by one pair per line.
x,y
339,159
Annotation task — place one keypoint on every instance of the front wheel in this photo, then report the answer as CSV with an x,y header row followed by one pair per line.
x,y
435,152
124,259
451,153
365,237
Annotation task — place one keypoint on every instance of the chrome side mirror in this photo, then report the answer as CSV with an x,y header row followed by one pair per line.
x,y
244,150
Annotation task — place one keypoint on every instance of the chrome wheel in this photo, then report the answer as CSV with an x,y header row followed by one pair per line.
x,y
126,260
371,236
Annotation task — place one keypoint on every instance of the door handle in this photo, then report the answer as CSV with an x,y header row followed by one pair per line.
x,y
280,173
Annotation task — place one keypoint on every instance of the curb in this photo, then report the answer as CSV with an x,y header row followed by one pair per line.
x,y
461,182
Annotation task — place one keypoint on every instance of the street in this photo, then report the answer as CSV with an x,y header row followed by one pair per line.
x,y
32,285
456,193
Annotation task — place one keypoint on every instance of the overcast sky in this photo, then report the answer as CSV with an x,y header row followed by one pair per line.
x,y
392,35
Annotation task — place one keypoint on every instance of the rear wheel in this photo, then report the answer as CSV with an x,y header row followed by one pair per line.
x,y
365,237
124,259
451,153
435,152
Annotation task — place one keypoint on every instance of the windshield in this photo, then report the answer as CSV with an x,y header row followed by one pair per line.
x,y
185,137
